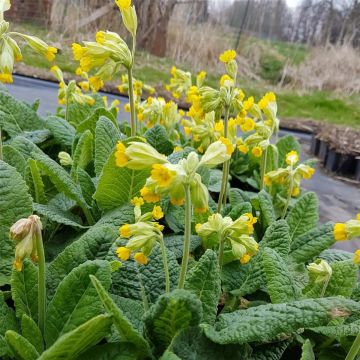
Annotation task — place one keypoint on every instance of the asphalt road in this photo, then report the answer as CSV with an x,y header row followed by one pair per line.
x,y
339,200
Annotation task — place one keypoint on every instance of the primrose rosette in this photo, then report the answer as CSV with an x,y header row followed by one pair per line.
x,y
183,234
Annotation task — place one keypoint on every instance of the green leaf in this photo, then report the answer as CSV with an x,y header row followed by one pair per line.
x,y
75,300
15,203
123,326
285,145
267,212
303,216
14,158
266,322
60,178
172,313
38,185
62,132
169,355
215,180
251,277
132,309
20,346
106,137
238,196
25,147
16,116
32,333
92,245
86,184
117,186
158,138
204,281
272,158
83,152
338,331
115,351
91,122
280,284
192,344
311,243
175,244
58,215
117,217
307,352
272,351
24,290
343,279
8,319
239,210
331,255
75,342
277,237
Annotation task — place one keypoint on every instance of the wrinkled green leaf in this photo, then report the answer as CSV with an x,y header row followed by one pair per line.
x,y
267,212
307,352
303,216
62,132
158,138
32,333
175,244
15,203
75,300
204,281
14,158
20,346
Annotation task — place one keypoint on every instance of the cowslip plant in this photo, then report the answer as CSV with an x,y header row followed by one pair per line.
x,y
147,248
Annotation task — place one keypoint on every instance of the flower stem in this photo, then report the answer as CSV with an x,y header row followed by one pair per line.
x,y
88,215
67,107
226,166
1,145
132,103
143,292
354,350
289,196
165,262
41,282
263,167
221,252
186,249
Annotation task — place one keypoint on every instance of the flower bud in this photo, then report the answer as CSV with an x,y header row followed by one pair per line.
x,y
129,18
321,270
215,155
26,232
65,158
4,25
232,68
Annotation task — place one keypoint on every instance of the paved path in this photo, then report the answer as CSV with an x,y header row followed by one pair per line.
x,y
339,201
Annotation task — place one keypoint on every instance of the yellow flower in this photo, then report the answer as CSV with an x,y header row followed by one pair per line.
x,y
245,259
148,195
309,173
295,192
50,53
197,227
123,253
159,227
248,104
141,259
157,213
200,210
86,63
127,107
225,78
162,175
340,232
219,126
250,222
121,158
100,37
247,125
229,146
177,202
84,86
123,4
17,265
137,201
173,71
227,56
357,257
96,83
267,180
292,157
358,216
6,78
243,148
257,151
177,149
187,130
125,231
78,51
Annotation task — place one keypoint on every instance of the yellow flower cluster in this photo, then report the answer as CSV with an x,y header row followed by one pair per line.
x,y
347,230
142,235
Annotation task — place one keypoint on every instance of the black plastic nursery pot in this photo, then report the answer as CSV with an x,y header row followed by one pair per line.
x,y
315,145
323,151
357,168
340,163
